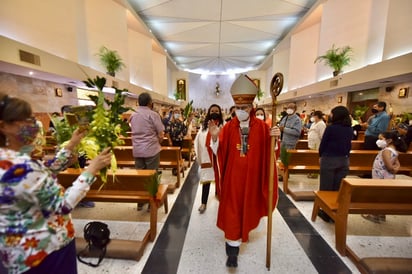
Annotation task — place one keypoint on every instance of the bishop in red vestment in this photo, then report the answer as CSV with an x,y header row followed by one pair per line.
x,y
243,155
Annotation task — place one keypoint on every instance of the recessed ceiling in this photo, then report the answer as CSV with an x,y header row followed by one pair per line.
x,y
220,36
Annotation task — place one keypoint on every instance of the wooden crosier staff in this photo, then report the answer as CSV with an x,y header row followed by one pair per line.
x,y
276,86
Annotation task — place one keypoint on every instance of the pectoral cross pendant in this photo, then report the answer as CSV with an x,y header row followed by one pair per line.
x,y
243,148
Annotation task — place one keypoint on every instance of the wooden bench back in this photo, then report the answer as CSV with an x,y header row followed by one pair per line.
x,y
303,144
127,141
123,153
384,196
124,180
303,157
170,154
360,160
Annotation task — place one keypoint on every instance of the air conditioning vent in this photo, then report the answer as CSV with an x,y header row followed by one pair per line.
x,y
29,57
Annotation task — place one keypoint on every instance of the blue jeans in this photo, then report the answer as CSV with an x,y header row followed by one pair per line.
x,y
332,171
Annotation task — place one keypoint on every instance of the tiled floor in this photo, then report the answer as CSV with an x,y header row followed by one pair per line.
x,y
189,242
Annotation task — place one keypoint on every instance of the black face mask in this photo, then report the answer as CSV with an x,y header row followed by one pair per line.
x,y
233,114
374,111
214,116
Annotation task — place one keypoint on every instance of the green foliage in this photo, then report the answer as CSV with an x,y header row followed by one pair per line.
x,y
284,156
406,116
336,58
111,60
188,109
63,131
107,124
260,94
177,95
359,111
153,184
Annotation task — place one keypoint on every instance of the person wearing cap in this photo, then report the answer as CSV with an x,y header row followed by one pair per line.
x,y
243,153
405,132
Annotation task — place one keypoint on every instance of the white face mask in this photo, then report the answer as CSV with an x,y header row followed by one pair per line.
x,y
260,117
290,111
176,115
381,143
312,119
242,115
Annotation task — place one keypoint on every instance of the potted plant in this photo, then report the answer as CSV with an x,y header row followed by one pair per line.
x,y
111,60
359,111
336,58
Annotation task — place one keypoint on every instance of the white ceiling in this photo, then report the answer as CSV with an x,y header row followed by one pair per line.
x,y
220,36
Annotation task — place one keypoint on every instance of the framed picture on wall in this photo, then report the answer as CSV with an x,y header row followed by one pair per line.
x,y
181,89
58,92
403,92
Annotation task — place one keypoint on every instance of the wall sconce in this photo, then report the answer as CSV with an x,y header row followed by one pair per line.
x,y
340,99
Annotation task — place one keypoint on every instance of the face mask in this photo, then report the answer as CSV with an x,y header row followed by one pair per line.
x,y
381,143
260,117
312,119
290,111
214,116
375,111
176,115
242,115
27,134
233,114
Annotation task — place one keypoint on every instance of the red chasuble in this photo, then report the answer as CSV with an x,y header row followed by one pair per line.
x,y
243,179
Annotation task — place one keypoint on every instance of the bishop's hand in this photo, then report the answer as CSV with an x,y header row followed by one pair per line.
x,y
275,131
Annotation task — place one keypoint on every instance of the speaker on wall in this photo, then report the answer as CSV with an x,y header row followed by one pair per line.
x,y
388,89
69,89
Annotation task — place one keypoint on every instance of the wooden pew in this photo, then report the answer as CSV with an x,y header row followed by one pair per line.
x,y
187,149
361,161
129,186
362,196
127,141
303,144
124,156
170,158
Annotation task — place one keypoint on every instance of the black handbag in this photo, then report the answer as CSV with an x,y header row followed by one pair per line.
x,y
97,236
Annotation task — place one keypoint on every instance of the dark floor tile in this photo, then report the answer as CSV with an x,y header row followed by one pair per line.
x,y
322,256
165,255
315,245
299,225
